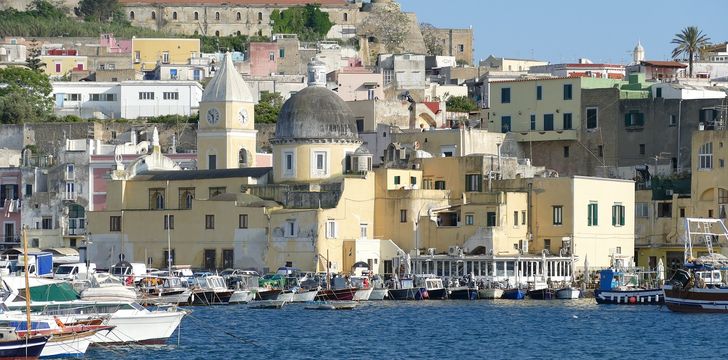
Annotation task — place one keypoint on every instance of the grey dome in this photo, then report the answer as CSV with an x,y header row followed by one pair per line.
x,y
315,113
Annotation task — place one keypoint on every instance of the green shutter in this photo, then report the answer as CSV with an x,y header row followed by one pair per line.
x,y
641,119
596,214
614,215
589,214
627,119
621,215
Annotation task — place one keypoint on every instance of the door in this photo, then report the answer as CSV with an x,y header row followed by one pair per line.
x,y
209,259
228,256
9,233
505,124
348,255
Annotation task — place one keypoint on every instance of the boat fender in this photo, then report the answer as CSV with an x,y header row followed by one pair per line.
x,y
632,300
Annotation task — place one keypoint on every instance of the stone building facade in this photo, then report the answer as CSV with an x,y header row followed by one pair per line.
x,y
457,43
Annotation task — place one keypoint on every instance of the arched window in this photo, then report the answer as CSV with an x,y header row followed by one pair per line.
x,y
243,158
260,17
186,195
346,17
217,33
174,15
217,16
197,15
131,15
156,199
239,17
239,33
154,15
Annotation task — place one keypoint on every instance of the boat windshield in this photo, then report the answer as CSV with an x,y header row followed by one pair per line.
x,y
64,270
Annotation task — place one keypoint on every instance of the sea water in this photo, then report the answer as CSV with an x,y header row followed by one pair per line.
x,y
486,329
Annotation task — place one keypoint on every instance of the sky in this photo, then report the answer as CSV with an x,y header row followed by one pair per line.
x,y
565,30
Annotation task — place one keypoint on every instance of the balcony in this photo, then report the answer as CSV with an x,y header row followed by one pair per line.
x,y
551,135
69,196
75,231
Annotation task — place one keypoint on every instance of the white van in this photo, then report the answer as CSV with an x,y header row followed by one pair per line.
x,y
125,270
77,271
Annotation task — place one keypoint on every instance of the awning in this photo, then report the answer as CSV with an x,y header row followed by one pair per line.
x,y
63,251
19,251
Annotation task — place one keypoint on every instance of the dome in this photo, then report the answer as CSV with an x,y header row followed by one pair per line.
x,y
315,113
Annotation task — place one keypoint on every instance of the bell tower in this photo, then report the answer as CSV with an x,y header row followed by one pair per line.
x,y
226,135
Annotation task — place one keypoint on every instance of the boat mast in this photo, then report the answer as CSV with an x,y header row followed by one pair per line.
x,y
27,281
169,235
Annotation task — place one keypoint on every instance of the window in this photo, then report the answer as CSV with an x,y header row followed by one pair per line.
x,y
217,190
642,149
170,95
539,92
505,124
592,118
658,92
672,120
593,214
547,244
721,162
346,17
131,15
567,121
47,223
114,223
72,97
682,213
165,57
490,218
515,218
137,56
664,209
243,221
146,95
413,180
440,185
101,97
156,199
634,119
260,17
290,230
641,210
238,16
331,229
403,215
281,53
618,250
617,215
469,219
212,162
320,163
363,231
196,16
461,48
558,214
174,15
566,151
705,156
154,15
548,122
217,16
209,222
473,182
186,195
523,217
242,158
397,180
533,122
217,33
505,95
567,92
28,189
168,222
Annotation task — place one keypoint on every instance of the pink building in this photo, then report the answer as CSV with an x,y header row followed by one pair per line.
x,y
263,57
113,45
357,83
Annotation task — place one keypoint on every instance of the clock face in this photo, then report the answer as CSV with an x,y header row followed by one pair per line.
x,y
213,116
243,116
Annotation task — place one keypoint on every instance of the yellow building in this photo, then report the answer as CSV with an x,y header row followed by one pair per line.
x,y
314,211
148,52
58,66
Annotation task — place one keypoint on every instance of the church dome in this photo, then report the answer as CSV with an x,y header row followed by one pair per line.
x,y
315,113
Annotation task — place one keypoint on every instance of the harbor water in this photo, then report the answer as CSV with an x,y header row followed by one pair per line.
x,y
497,329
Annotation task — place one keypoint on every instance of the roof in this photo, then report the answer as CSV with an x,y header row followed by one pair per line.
x,y
255,172
577,65
673,64
237,2
63,251
19,250
315,113
434,106
227,84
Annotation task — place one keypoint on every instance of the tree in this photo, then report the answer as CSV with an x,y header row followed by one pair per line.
x,y
432,41
461,104
690,41
97,10
24,95
388,25
267,109
33,62
308,22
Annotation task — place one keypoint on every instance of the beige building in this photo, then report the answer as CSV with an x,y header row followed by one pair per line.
x,y
457,43
148,52
493,63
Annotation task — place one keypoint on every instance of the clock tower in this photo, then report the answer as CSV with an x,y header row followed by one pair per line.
x,y
226,135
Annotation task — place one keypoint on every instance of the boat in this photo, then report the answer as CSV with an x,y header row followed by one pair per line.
x,y
338,294
267,304
210,290
267,294
405,290
304,295
379,294
14,347
331,305
627,287
568,292
363,288
241,297
286,295
490,293
362,294
434,286
163,290
542,294
699,286
514,294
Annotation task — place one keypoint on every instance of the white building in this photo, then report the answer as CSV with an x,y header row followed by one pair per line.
x,y
126,99
404,71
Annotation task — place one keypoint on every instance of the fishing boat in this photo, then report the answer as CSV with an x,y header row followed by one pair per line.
x,y
338,294
305,295
241,297
363,288
463,293
267,304
404,289
163,290
379,292
267,294
699,287
490,293
542,294
331,305
14,347
567,293
210,290
514,294
435,288
626,287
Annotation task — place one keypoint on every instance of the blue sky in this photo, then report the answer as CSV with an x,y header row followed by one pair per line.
x,y
565,30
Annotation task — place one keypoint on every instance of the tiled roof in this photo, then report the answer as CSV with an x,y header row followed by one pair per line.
x,y
593,65
255,172
234,2
434,106
673,64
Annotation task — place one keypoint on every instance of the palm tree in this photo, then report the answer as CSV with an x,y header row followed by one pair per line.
x,y
689,41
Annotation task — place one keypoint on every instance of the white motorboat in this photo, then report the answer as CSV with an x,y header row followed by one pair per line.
x,y
156,290
568,293
241,297
305,296
286,296
362,294
490,293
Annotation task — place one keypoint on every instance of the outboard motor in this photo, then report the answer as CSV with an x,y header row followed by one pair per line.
x,y
680,279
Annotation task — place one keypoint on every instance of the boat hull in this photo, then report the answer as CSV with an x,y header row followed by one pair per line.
x,y
514,294
568,293
490,293
437,294
378,294
241,297
211,297
697,300
408,294
267,294
338,294
463,294
267,304
630,297
542,294
146,328
17,349
71,345
305,296
362,294
286,296
181,297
